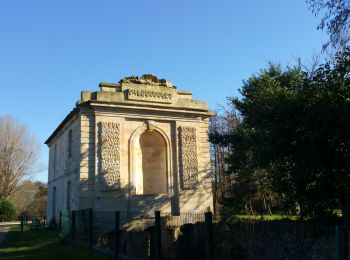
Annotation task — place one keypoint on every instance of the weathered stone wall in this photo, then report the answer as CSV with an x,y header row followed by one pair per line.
x,y
125,198
87,157
108,150
93,190
64,167
196,194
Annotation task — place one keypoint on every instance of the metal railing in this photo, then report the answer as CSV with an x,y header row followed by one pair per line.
x,y
201,236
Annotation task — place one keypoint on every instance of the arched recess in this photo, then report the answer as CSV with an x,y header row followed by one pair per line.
x,y
146,139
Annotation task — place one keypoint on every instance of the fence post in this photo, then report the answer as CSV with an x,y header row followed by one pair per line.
x,y
73,225
44,221
209,235
157,246
22,222
90,228
341,243
116,231
60,221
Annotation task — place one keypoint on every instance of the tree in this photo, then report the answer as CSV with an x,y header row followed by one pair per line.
x,y
19,152
295,129
236,188
223,121
30,198
7,210
38,207
22,198
336,21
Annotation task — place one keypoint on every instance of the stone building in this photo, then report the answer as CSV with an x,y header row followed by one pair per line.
x,y
139,145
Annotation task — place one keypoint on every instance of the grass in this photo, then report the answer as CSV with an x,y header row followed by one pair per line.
x,y
268,217
42,244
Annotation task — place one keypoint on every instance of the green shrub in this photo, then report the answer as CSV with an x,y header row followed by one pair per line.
x,y
7,210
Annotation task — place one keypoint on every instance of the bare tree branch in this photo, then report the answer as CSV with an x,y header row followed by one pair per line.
x,y
19,152
335,21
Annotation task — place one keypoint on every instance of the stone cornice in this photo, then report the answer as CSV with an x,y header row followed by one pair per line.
x,y
61,125
150,107
147,93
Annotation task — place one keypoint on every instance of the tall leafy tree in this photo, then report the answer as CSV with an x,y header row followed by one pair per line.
x,y
296,129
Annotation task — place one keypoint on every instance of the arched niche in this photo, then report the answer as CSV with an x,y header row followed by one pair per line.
x,y
150,164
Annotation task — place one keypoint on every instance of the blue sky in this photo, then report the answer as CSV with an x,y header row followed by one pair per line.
x,y
51,50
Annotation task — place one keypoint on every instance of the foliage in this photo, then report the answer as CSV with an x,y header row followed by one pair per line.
x,y
336,20
246,188
273,239
30,198
223,121
267,217
295,129
38,206
7,210
19,152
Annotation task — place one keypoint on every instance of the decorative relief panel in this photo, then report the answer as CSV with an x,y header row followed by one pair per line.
x,y
151,95
188,157
110,154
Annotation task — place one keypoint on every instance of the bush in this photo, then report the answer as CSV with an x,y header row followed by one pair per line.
x,y
7,210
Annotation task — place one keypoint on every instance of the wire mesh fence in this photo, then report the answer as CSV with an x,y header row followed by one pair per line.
x,y
183,235
194,236
65,224
177,220
253,239
81,225
103,229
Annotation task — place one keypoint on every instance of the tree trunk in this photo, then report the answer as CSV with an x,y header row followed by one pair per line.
x,y
265,205
251,208
270,205
215,199
246,209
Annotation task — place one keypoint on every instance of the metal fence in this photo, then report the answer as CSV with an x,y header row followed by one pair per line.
x,y
248,239
164,235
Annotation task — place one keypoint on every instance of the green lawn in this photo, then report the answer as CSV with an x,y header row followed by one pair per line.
x,y
268,217
42,244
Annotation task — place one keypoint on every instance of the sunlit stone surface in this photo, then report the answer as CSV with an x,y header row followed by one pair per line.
x,y
138,145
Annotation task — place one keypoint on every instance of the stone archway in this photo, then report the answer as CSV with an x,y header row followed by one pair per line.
x,y
150,161
153,151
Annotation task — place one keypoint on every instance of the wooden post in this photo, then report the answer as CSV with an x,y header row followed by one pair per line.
x,y
44,221
209,235
116,231
60,221
157,246
90,228
73,225
341,243
22,222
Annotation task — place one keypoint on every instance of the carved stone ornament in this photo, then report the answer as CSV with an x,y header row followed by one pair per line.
x,y
150,124
188,157
147,79
110,154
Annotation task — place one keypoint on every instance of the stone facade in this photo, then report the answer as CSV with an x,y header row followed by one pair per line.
x,y
139,145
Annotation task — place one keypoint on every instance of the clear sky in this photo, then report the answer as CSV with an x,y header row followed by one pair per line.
x,y
51,50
